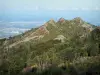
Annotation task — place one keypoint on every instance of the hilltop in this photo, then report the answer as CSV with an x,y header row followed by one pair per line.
x,y
52,28
57,46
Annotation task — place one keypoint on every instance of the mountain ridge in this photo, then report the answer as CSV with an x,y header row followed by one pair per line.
x,y
44,30
66,46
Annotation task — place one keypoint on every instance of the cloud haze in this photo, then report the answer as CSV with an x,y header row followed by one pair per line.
x,y
34,5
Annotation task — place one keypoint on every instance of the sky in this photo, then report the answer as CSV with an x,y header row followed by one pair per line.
x,y
18,16
29,10
33,5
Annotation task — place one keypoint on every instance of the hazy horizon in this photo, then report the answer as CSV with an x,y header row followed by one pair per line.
x,y
27,14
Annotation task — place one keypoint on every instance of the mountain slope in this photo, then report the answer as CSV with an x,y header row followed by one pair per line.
x,y
52,29
54,44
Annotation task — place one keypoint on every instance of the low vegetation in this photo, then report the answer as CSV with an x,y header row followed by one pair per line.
x,y
78,54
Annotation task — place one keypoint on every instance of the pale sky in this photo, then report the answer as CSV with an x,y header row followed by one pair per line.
x,y
26,10
31,5
31,13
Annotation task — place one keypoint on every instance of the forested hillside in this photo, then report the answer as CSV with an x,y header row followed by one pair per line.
x,y
65,47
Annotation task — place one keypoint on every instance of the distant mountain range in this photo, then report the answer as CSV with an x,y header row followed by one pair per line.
x,y
63,47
